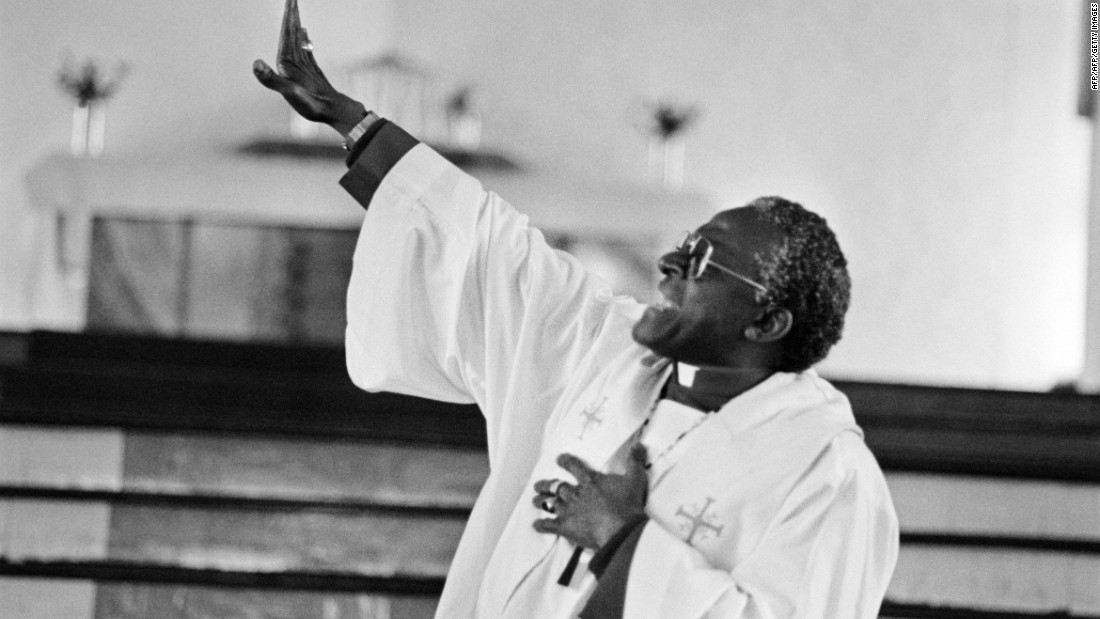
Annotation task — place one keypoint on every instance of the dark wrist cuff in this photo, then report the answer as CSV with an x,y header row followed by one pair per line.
x,y
360,145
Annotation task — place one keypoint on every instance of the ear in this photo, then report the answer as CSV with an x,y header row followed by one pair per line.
x,y
772,325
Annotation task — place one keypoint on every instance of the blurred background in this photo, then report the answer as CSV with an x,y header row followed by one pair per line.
x,y
185,230
941,140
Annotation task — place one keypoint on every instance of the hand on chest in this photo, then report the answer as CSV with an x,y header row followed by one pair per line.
x,y
713,483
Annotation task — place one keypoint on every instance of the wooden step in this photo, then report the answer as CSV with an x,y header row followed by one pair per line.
x,y
991,506
899,610
54,598
1022,455
210,388
262,537
1001,579
239,466
74,350
82,399
138,601
336,470
150,573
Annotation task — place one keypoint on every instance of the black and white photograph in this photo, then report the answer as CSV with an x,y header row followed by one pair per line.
x,y
409,309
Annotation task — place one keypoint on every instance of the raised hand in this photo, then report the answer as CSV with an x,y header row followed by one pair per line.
x,y
301,81
591,512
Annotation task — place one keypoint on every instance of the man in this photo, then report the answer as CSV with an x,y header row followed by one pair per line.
x,y
681,460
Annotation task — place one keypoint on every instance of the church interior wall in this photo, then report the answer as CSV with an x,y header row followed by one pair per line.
x,y
940,140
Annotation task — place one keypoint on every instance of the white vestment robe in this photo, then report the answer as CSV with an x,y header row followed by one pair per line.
x,y
772,507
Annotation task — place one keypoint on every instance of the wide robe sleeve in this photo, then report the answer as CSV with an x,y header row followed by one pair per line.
x,y
454,296
828,553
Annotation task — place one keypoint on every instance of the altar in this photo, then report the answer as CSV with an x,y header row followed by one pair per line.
x,y
257,245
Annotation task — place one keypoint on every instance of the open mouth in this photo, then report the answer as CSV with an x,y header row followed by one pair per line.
x,y
664,309
658,323
665,303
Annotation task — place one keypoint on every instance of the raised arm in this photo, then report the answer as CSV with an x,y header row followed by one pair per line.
x,y
453,295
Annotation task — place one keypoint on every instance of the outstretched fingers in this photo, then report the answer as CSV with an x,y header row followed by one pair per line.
x,y
306,102
269,78
547,486
578,468
295,49
290,35
548,525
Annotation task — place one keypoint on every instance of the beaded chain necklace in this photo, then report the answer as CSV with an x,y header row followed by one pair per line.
x,y
645,429
687,372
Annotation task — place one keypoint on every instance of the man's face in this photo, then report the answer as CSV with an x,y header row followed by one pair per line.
x,y
702,321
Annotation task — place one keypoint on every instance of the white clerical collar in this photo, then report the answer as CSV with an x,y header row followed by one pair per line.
x,y
685,374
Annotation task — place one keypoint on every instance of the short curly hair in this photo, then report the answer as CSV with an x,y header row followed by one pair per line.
x,y
807,274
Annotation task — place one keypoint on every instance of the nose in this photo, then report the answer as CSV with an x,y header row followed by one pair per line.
x,y
673,264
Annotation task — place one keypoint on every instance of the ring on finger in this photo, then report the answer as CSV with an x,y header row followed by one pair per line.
x,y
548,504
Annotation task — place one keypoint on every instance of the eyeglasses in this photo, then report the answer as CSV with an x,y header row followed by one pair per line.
x,y
697,249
